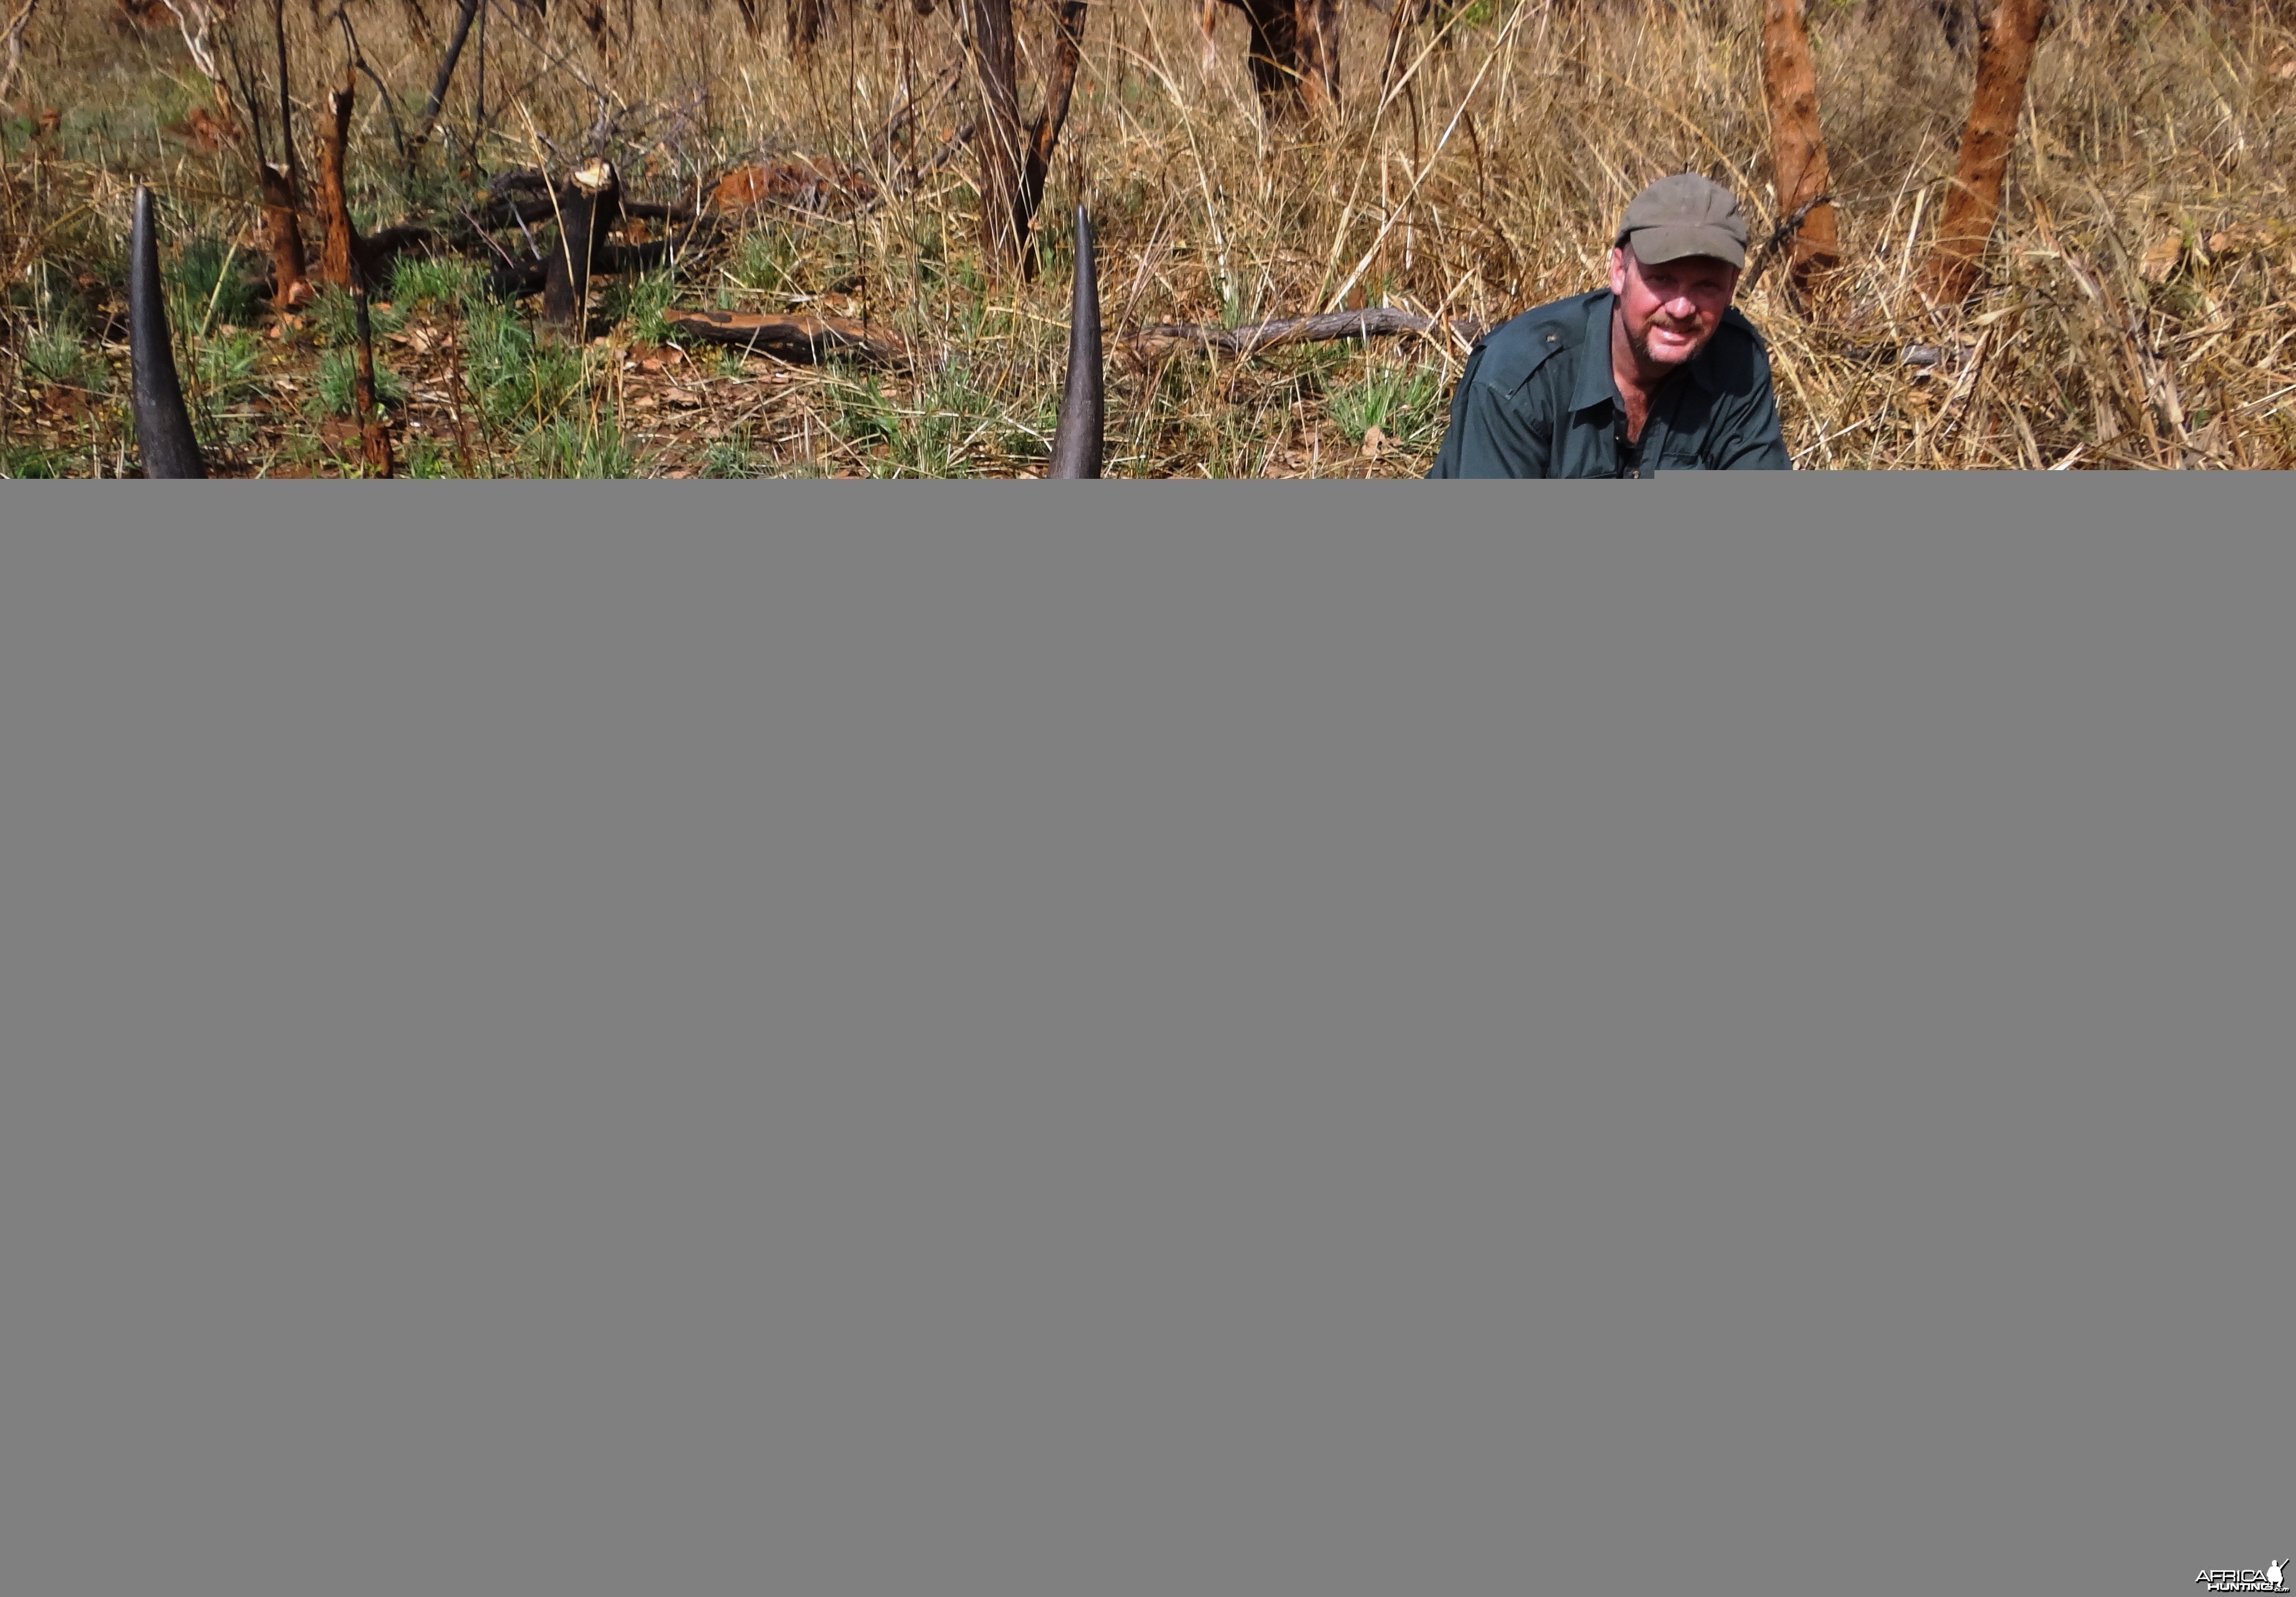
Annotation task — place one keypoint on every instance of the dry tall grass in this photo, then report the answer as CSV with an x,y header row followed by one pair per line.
x,y
2136,309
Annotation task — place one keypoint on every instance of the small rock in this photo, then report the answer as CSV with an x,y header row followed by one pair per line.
x,y
1374,442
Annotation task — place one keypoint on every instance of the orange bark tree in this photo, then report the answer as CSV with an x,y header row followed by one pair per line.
x,y
1798,165
2006,35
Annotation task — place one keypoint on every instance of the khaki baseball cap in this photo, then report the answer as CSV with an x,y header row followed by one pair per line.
x,y
1683,216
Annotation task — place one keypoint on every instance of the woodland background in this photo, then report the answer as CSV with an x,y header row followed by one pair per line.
x,y
873,207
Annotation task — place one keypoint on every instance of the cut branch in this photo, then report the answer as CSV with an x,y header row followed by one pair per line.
x,y
286,106
430,107
1376,322
807,337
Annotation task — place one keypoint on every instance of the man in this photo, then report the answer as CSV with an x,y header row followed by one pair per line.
x,y
1655,373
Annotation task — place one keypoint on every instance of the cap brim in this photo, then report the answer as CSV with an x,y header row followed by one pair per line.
x,y
1652,245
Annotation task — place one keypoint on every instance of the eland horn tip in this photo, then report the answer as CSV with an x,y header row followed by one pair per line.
x,y
163,427
1077,442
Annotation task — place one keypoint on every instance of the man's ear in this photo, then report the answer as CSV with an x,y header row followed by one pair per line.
x,y
1618,269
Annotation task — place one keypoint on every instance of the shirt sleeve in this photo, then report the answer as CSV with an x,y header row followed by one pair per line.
x,y
1488,436
1753,440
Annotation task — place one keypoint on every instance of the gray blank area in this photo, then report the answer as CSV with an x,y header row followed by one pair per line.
x,y
922,1042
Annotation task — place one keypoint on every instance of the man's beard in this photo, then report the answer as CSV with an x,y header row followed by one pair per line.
x,y
1638,340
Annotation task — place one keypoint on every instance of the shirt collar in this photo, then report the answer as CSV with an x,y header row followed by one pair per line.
x,y
1597,386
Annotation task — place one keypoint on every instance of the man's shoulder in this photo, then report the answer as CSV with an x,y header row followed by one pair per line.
x,y
1514,350
1737,360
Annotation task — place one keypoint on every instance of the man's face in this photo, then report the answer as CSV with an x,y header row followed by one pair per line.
x,y
1670,310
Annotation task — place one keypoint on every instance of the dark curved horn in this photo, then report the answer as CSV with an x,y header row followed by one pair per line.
x,y
163,427
1084,401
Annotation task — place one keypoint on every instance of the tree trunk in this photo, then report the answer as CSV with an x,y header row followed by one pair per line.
x,y
1315,63
283,230
587,209
1059,88
1295,52
2005,59
807,19
988,40
1796,147
375,433
339,255
1272,52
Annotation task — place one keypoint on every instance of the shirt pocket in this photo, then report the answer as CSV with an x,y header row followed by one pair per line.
x,y
1686,460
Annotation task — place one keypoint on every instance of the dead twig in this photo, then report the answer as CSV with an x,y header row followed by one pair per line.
x,y
810,339
1377,321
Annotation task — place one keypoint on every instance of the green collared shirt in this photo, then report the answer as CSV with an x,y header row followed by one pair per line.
x,y
1538,399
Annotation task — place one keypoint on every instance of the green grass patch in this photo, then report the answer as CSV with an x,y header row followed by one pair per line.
x,y
579,446
206,288
763,263
513,375
335,318
428,458
1404,403
637,301
224,367
444,281
25,462
330,390
733,456
54,353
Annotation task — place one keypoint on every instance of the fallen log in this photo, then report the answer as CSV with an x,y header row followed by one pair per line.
x,y
515,280
504,187
802,338
793,183
1377,321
